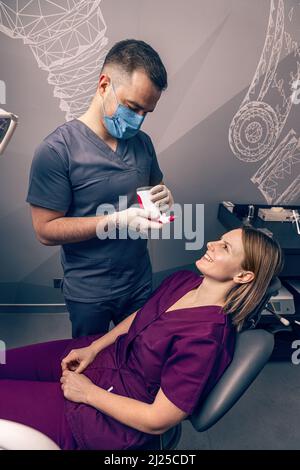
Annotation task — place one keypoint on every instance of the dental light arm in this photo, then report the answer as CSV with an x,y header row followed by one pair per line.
x,y
8,124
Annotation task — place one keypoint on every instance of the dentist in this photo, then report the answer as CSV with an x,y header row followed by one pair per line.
x,y
88,163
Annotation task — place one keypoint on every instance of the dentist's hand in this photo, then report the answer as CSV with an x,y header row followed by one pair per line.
x,y
162,197
136,219
78,359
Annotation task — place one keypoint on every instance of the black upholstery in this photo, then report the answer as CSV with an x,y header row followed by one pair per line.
x,y
252,351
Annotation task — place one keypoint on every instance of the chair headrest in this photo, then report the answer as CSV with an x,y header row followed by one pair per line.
x,y
254,317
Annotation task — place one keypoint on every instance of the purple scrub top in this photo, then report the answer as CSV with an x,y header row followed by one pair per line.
x,y
184,352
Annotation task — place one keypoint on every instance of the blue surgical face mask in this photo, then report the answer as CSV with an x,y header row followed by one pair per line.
x,y
124,123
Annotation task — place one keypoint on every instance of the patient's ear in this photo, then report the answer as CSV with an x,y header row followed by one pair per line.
x,y
243,277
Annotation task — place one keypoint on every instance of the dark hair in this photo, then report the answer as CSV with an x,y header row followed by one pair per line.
x,y
131,54
264,257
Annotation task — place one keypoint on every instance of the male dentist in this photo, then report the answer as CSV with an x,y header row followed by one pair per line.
x,y
89,162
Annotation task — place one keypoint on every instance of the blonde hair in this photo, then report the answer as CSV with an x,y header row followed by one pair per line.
x,y
264,257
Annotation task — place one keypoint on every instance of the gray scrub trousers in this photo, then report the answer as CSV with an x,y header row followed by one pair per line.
x,y
74,171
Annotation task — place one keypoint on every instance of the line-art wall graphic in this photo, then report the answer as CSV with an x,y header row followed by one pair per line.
x,y
67,39
261,119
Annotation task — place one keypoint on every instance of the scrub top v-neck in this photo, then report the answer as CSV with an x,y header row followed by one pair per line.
x,y
75,171
121,148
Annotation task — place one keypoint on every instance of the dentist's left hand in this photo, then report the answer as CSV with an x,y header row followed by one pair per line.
x,y
75,386
162,197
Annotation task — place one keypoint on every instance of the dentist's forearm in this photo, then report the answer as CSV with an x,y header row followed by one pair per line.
x,y
73,229
112,335
133,413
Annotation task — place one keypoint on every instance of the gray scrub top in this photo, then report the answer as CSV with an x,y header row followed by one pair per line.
x,y
74,171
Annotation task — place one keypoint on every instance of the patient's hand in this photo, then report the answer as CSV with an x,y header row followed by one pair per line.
x,y
75,387
78,359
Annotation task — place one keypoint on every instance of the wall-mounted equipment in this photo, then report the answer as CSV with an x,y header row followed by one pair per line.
x,y
8,124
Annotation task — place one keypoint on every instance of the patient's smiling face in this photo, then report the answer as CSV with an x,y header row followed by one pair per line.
x,y
223,258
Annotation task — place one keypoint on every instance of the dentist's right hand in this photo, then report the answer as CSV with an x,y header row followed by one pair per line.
x,y
136,219
78,359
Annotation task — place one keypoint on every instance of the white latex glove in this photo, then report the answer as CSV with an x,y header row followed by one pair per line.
x,y
136,219
161,196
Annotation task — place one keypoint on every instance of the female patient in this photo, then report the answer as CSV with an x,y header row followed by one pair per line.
x,y
122,389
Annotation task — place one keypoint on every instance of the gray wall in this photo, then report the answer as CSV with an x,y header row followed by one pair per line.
x,y
212,141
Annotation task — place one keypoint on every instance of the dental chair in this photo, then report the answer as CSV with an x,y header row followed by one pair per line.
x,y
252,351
